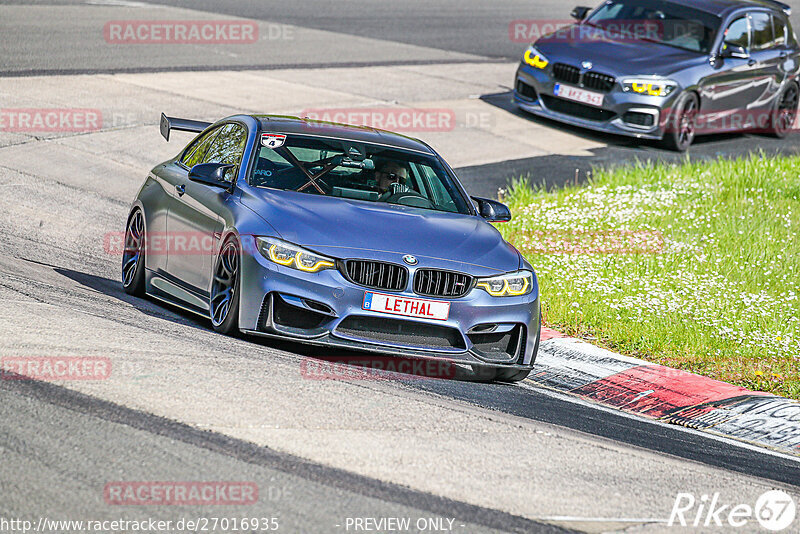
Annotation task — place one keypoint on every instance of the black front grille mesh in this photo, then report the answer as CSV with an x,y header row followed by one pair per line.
x,y
566,73
598,82
376,274
590,80
434,283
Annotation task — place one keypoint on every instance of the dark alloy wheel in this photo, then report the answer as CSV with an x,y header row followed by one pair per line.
x,y
133,255
786,111
224,302
682,127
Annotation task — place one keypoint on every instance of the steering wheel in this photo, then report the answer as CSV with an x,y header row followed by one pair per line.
x,y
410,198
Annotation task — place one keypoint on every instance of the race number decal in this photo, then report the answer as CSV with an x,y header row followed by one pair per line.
x,y
273,140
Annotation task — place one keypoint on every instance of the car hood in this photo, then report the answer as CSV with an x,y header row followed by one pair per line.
x,y
344,228
618,57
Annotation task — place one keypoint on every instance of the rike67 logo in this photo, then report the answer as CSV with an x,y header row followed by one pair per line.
x,y
775,511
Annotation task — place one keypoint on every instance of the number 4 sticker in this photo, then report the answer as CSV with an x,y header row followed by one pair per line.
x,y
273,140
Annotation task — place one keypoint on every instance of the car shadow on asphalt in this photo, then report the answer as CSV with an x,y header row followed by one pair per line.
x,y
320,363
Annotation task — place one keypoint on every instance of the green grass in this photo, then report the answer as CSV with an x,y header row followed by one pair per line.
x,y
694,266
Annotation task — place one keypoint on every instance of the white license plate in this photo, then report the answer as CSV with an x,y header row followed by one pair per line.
x,y
579,95
422,308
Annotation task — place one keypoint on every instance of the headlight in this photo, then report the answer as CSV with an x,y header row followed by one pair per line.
x,y
534,58
289,255
648,87
508,285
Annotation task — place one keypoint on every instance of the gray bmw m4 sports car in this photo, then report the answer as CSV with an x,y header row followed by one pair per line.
x,y
667,69
333,235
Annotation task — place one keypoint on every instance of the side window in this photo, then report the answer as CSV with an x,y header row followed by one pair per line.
x,y
195,153
738,33
228,147
780,31
763,37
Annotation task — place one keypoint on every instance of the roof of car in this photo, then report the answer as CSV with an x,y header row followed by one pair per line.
x,y
361,134
723,7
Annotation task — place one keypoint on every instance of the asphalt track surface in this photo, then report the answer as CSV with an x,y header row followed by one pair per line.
x,y
186,404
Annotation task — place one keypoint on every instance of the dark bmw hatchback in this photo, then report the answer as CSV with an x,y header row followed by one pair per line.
x,y
667,70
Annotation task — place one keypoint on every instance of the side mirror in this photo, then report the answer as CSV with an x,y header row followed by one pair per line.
x,y
211,174
734,50
580,12
492,210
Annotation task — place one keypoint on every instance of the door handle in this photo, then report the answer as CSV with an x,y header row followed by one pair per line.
x,y
751,62
181,189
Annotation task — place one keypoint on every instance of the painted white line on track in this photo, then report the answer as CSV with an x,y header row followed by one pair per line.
x,y
577,400
602,519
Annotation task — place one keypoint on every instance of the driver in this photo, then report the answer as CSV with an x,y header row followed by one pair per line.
x,y
392,178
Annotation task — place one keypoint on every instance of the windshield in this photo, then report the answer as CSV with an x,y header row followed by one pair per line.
x,y
357,171
670,24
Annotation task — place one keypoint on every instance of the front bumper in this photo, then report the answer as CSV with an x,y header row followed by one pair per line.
x,y
325,309
621,114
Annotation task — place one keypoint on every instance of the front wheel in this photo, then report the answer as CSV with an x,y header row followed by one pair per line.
x,y
785,114
682,125
133,255
224,302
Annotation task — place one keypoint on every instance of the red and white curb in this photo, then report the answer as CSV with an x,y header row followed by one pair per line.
x,y
578,368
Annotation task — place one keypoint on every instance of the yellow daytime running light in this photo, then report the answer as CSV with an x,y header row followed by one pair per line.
x,y
282,260
535,60
295,257
651,89
505,290
520,291
310,264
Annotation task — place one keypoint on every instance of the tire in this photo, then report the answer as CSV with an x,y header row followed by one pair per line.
x,y
511,375
785,112
682,125
224,301
133,255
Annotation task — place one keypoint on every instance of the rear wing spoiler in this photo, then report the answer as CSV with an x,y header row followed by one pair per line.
x,y
184,125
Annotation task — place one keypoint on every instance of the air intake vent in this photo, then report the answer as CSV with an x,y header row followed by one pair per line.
x,y
376,274
526,90
434,283
636,118
576,109
399,332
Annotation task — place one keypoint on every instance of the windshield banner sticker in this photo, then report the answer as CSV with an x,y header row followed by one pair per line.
x,y
273,140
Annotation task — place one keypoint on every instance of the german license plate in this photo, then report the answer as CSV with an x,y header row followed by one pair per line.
x,y
407,307
578,95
